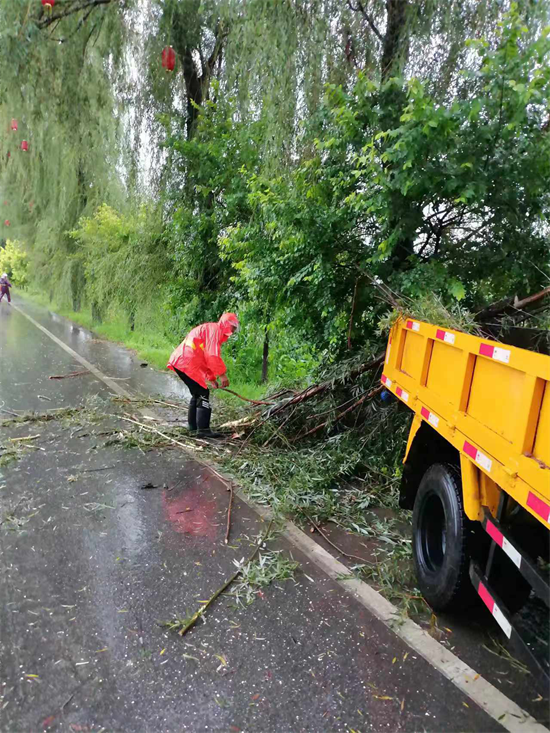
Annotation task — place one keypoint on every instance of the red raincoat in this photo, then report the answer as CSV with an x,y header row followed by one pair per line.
x,y
199,354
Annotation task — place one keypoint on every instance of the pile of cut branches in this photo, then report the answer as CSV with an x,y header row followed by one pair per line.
x,y
347,398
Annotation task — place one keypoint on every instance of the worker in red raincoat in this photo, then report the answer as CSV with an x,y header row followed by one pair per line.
x,y
197,361
5,286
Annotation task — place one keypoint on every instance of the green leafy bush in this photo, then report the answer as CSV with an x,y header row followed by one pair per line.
x,y
14,261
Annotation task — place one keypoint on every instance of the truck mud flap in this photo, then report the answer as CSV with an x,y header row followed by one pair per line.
x,y
498,610
524,564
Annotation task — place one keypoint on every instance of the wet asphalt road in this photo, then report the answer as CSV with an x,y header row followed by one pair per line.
x,y
93,562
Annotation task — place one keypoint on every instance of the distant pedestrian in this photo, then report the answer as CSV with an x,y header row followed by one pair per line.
x,y
5,286
197,362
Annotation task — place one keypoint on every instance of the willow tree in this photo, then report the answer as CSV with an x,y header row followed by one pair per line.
x,y
59,85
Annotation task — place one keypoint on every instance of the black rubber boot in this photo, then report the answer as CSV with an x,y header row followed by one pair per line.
x,y
192,415
204,413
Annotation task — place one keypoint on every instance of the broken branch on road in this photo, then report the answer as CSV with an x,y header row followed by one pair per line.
x,y
70,374
330,542
182,626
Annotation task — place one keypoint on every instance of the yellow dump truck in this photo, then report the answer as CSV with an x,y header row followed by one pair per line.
x,y
477,467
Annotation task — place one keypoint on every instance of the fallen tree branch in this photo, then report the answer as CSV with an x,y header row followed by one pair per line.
x,y
323,535
228,528
245,399
318,389
196,616
510,303
9,412
26,437
70,374
154,430
358,402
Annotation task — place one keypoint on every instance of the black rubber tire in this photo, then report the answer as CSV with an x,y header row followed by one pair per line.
x,y
441,539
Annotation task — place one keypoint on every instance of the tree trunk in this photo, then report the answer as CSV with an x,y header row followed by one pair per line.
x,y
96,313
197,80
395,47
265,358
395,52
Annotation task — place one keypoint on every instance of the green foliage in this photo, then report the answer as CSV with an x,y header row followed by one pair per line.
x,y
14,261
63,96
430,308
123,259
435,197
269,567
214,159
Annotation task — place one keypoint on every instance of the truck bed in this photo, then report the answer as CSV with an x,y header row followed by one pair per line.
x,y
491,401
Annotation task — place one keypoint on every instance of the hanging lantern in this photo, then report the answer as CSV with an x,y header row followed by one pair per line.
x,y
7,222
25,146
31,205
48,5
14,125
5,203
168,58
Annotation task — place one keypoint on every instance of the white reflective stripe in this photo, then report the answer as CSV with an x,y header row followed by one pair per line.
x,y
449,338
501,354
433,419
415,326
404,395
483,461
512,553
502,621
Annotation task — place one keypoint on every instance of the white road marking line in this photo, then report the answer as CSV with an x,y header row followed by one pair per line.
x,y
95,371
499,707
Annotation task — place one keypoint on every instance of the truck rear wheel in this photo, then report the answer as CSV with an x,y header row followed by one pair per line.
x,y
441,535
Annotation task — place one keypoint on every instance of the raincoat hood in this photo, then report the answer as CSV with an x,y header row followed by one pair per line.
x,y
227,322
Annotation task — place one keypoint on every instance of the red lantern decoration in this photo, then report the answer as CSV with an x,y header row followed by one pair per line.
x,y
5,203
7,222
25,146
14,125
48,5
168,58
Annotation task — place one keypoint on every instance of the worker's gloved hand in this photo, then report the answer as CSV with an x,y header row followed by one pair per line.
x,y
212,384
224,381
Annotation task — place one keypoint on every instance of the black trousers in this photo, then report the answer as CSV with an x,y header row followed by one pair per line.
x,y
194,387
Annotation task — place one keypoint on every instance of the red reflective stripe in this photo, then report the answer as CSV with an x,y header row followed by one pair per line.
x,y
469,449
486,350
409,324
493,532
440,334
425,413
399,391
384,378
485,596
538,506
